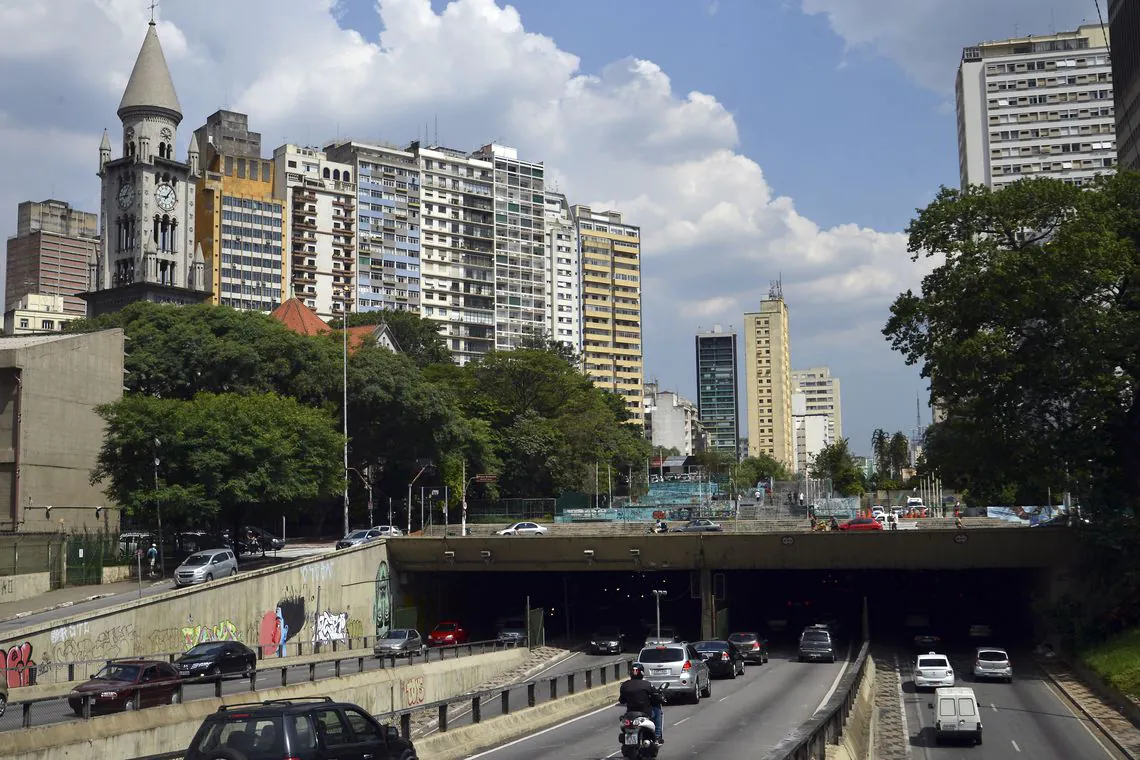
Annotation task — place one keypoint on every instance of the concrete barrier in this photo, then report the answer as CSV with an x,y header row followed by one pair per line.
x,y
116,574
859,731
165,729
468,740
16,588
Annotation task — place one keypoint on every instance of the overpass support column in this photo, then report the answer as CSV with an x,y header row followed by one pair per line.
x,y
708,605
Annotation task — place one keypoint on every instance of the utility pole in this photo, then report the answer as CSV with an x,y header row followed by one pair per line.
x,y
344,372
657,594
158,509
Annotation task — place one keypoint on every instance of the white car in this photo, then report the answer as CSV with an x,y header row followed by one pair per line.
x,y
932,671
388,531
524,529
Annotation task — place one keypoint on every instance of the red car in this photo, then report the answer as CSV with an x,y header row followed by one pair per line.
x,y
114,687
862,523
446,634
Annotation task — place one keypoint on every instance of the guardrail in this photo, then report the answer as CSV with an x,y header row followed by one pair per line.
x,y
587,678
359,656
810,741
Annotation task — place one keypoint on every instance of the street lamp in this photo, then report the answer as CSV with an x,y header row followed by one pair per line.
x,y
423,469
368,486
158,507
657,594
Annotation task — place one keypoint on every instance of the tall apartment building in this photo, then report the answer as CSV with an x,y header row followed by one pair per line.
x,y
1036,107
812,431
457,280
240,225
319,197
521,308
821,392
671,421
611,304
717,402
387,223
768,379
50,254
1124,29
563,273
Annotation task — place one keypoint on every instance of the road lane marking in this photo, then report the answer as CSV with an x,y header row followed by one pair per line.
x,y
902,705
1080,719
1011,741
554,665
722,699
540,733
682,720
994,706
835,683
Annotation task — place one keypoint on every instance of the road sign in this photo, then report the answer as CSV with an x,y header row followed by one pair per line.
x,y
486,478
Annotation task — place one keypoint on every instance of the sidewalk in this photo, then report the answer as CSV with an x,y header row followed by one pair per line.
x,y
1120,731
66,597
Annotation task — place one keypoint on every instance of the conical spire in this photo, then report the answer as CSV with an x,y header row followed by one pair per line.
x,y
193,143
150,85
105,144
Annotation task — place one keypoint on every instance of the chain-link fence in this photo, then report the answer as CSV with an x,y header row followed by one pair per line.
x,y
510,510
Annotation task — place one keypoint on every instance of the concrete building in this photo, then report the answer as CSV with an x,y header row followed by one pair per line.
x,y
240,225
387,224
822,395
147,251
319,197
563,273
812,431
1036,107
458,249
35,314
718,404
671,421
51,253
50,386
768,380
1124,29
611,304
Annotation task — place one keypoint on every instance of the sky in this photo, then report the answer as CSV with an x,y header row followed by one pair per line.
x,y
752,140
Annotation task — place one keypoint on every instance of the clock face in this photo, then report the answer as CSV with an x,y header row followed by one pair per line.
x,y
166,133
164,196
126,196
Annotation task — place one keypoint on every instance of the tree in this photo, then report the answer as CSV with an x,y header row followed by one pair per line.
x,y
761,468
225,458
417,337
898,454
881,451
1028,331
836,463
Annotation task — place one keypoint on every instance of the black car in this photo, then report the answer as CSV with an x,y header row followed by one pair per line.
x,y
816,644
299,729
608,639
723,658
753,647
217,658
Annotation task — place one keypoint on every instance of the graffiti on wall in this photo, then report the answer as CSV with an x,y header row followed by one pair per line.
x,y
383,603
7,587
18,665
331,626
74,643
279,625
193,635
415,691
316,572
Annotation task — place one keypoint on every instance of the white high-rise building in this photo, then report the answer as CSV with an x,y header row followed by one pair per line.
x,y
811,432
1036,107
672,422
821,393
563,273
320,227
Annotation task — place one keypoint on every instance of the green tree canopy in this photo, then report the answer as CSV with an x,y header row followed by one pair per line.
x,y
760,468
418,338
836,463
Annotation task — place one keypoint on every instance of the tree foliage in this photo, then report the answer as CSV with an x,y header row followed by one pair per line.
x,y
761,468
836,463
417,337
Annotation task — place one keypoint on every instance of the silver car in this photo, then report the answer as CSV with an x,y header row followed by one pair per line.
x,y
678,670
400,642
202,567
358,537
992,662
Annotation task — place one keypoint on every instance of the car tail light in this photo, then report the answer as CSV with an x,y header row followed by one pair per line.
x,y
724,655
687,666
627,723
755,645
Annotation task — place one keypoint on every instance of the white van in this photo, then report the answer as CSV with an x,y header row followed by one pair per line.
x,y
956,715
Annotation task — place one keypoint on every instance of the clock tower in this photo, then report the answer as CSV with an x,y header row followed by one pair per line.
x,y
147,251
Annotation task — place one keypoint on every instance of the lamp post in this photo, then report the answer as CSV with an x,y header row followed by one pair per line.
x,y
368,487
344,371
158,507
423,469
657,594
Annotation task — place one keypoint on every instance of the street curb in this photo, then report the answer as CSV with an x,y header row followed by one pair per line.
x,y
65,605
1112,738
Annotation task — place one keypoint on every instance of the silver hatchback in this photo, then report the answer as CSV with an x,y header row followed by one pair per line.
x,y
678,670
202,567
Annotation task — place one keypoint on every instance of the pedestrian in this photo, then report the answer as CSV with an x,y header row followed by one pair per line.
x,y
958,521
152,555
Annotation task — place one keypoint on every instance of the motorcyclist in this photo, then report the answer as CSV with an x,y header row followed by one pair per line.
x,y
638,695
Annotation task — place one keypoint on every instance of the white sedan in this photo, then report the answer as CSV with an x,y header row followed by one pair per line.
x,y
524,529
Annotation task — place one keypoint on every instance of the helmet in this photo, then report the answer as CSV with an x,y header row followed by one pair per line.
x,y
637,670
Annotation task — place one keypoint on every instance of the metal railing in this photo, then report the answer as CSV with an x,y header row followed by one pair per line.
x,y
810,741
359,657
474,702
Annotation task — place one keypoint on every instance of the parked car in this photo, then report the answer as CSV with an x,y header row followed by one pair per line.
x,y
358,537
3,698
816,644
700,525
300,729
446,634
753,647
861,523
203,567
511,631
667,635
678,670
992,662
400,642
217,658
524,529
722,657
114,687
607,639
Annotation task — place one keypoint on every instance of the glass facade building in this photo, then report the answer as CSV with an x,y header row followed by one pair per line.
x,y
717,400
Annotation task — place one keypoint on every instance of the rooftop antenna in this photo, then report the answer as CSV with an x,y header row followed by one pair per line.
x,y
776,289
436,131
1052,21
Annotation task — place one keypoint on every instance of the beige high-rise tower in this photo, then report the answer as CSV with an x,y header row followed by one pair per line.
x,y
768,374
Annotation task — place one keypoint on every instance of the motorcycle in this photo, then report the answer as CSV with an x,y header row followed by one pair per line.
x,y
638,736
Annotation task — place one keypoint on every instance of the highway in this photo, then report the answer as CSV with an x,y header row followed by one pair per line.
x,y
1028,718
743,718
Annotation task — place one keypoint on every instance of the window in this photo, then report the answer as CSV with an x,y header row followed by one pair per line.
x,y
363,726
332,727
24,322
47,324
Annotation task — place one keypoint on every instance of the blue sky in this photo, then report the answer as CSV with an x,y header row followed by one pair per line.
x,y
750,139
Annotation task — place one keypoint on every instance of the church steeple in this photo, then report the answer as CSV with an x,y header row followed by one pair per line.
x,y
150,87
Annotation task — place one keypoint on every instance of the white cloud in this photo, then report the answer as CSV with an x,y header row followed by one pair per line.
x,y
926,37
715,233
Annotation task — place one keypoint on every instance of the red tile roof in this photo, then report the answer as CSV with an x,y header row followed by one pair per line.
x,y
299,318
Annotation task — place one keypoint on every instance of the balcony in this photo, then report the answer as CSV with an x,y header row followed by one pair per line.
x,y
305,277
342,202
304,237
304,196
300,264
304,223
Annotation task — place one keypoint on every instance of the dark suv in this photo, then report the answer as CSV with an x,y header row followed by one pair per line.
x,y
297,729
816,643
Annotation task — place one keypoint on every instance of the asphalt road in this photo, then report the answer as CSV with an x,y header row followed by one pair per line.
x,y
1028,718
744,718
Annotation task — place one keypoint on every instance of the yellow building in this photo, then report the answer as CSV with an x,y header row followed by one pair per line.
x,y
611,304
239,224
768,375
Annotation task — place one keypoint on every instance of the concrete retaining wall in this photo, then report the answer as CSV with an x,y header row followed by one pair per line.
x,y
116,574
859,731
345,594
16,588
166,729
468,740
